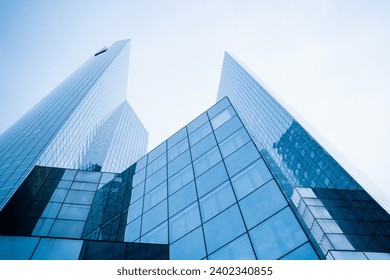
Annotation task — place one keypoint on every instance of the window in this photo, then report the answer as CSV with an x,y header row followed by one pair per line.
x,y
184,222
189,247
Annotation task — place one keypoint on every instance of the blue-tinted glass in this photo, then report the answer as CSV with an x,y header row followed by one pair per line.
x,y
43,227
57,249
210,179
199,134
155,196
177,137
178,163
241,158
64,184
141,163
79,197
74,212
135,210
180,179
67,228
157,164
137,192
340,241
217,108
139,177
206,161
88,176
198,122
154,217
156,152
83,186
51,210
250,178
106,177
262,203
185,221
182,198
178,149
348,255
222,117
223,228
59,195
156,179
239,249
189,247
227,128
69,174
216,201
305,252
203,146
234,142
133,230
158,235
277,236
16,247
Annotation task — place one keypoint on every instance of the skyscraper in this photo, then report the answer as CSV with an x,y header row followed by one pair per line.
x,y
85,122
244,180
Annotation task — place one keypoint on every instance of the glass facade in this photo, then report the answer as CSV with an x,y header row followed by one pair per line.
x,y
84,123
338,215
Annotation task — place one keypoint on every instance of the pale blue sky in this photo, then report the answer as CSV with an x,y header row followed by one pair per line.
x,y
329,60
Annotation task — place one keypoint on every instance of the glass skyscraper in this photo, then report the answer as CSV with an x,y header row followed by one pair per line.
x,y
244,180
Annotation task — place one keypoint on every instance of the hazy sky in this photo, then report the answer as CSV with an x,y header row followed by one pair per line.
x,y
329,60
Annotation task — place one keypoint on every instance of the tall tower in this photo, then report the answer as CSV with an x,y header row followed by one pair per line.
x,y
84,123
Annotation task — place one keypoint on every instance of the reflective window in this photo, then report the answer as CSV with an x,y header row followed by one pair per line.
x,y
216,201
223,228
211,178
198,122
137,192
199,134
88,176
180,179
156,179
239,249
155,196
51,210
262,203
154,217
189,247
141,163
185,221
228,128
74,212
241,158
157,164
43,227
182,198
178,163
79,197
250,178
177,137
139,177
69,174
83,186
234,142
57,249
59,195
218,107
178,149
206,161
277,236
16,247
203,146
305,252
133,230
156,152
134,211
67,228
222,117
159,235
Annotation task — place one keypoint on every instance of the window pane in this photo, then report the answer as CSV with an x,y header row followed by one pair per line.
x,y
305,252
177,137
157,164
180,179
154,217
277,236
67,228
156,179
16,247
132,230
83,186
58,249
155,196
223,228
51,210
218,107
203,146
43,227
239,249
135,210
182,198
178,149
184,222
199,134
59,195
227,128
79,197
190,247
156,152
262,203
178,163
137,192
222,117
74,212
216,201
198,122
241,158
206,161
234,142
159,235
250,178
211,179
88,176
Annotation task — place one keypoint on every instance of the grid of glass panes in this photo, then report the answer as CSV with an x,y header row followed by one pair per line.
x,y
207,193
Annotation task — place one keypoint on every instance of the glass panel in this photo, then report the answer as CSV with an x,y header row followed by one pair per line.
x,y
203,146
58,249
157,164
211,179
67,228
180,179
216,201
241,158
59,195
305,252
16,247
178,149
190,247
83,186
234,142
135,210
199,134
250,178
132,230
198,122
137,192
154,217
51,210
139,177
178,163
69,174
262,203
227,128
223,228
177,137
159,235
218,107
88,176
206,161
222,117
156,152
106,177
74,212
155,196
43,227
239,249
182,198
277,236
79,197
184,222
156,179
141,163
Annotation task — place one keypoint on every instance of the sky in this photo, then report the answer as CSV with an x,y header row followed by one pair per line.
x,y
328,60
